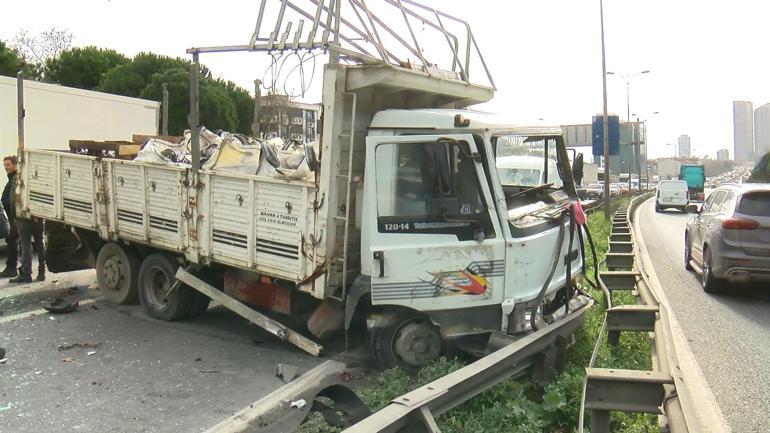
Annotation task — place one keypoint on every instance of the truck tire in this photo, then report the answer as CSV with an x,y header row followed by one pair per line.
x,y
156,276
201,302
405,339
117,272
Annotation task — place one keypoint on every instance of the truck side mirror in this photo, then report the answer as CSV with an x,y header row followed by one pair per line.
x,y
577,168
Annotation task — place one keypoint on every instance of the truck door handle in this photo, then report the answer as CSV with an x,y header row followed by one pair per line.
x,y
380,257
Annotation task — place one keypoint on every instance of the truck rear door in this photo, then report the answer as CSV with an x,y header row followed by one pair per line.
x,y
434,241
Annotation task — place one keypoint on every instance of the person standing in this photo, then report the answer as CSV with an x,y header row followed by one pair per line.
x,y
8,199
28,231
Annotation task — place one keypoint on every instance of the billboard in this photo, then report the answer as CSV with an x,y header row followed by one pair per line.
x,y
597,128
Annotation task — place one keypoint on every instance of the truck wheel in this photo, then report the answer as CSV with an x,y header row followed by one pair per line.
x,y
405,339
156,276
117,272
201,302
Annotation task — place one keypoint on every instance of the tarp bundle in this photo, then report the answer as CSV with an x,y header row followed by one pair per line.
x,y
237,153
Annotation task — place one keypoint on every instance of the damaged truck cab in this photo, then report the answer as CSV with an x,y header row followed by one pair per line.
x,y
446,250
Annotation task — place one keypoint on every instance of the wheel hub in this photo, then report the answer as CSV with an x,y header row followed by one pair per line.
x,y
157,284
417,343
112,272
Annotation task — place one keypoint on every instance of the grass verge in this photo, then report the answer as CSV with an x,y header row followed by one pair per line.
x,y
520,405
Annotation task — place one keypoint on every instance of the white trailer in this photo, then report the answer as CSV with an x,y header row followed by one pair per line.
x,y
405,229
56,114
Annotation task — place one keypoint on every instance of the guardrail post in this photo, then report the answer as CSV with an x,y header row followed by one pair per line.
x,y
600,421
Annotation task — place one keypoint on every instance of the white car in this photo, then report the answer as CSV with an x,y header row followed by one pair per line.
x,y
671,193
519,170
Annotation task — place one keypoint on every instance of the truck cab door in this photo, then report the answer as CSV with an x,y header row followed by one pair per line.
x,y
431,239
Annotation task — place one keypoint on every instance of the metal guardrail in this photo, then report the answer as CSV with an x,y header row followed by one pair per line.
x,y
660,391
416,410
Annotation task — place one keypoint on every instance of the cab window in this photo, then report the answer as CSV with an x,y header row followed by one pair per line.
x,y
430,188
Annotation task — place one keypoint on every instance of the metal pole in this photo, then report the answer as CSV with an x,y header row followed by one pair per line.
x,y
194,119
628,100
20,108
257,96
606,126
646,162
164,131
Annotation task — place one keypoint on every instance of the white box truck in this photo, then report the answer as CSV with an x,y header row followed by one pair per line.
x,y
405,229
56,114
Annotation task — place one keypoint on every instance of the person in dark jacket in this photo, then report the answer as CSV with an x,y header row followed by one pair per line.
x,y
12,240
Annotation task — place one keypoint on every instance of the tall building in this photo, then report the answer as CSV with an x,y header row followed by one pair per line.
x,y
723,155
683,147
743,131
762,130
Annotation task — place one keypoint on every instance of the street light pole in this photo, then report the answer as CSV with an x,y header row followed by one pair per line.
x,y
605,122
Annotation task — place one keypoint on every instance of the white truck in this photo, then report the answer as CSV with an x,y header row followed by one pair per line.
x,y
56,114
405,231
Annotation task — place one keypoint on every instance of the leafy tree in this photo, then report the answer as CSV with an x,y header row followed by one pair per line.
x,y
9,60
244,106
82,67
223,105
11,63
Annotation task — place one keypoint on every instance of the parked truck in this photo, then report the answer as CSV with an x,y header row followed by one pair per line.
x,y
405,230
695,176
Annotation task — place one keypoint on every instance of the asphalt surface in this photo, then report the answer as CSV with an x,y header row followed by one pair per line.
x,y
729,333
107,368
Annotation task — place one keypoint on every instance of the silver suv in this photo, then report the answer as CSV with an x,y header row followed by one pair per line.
x,y
728,238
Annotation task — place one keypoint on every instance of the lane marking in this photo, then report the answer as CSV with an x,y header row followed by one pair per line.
x,y
709,413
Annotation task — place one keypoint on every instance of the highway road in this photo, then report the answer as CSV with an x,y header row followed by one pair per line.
x,y
110,368
729,333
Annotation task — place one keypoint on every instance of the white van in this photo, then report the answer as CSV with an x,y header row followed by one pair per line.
x,y
671,193
517,170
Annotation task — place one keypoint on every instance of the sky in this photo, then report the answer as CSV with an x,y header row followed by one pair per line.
x,y
544,55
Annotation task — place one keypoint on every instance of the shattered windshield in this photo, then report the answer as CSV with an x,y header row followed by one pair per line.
x,y
526,161
519,176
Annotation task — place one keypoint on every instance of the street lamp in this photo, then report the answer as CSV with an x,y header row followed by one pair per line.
x,y
605,128
627,78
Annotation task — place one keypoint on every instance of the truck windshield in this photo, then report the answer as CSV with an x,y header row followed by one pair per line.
x,y
526,161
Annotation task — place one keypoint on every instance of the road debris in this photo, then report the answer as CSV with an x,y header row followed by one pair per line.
x,y
92,352
67,359
208,371
64,346
287,372
61,306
